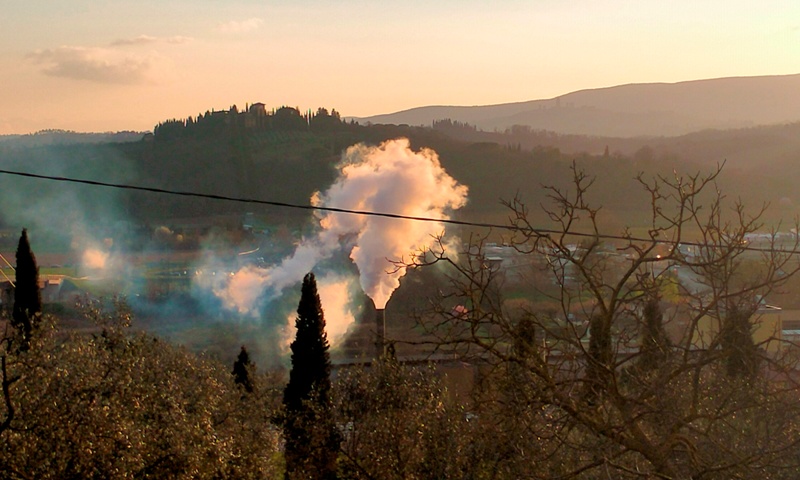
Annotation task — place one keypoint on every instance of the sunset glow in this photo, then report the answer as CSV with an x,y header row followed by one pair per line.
x,y
81,66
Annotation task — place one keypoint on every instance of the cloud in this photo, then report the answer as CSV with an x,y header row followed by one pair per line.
x,y
178,39
140,40
243,26
147,39
100,65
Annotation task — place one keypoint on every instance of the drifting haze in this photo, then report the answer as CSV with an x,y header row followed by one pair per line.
x,y
390,178
351,255
68,217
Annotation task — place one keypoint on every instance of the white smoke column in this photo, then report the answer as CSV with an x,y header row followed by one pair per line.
x,y
242,291
390,178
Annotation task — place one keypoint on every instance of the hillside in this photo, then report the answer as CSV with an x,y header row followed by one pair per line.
x,y
289,165
651,109
289,160
762,147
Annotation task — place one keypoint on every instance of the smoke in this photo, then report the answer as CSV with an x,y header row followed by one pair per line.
x,y
65,216
246,290
349,254
242,290
334,291
94,259
335,294
394,179
390,178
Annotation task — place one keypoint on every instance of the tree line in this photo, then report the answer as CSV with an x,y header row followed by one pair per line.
x,y
253,118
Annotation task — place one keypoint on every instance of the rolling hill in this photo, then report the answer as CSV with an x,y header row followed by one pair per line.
x,y
647,109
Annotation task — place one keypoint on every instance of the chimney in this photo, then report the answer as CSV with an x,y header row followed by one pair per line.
x,y
380,333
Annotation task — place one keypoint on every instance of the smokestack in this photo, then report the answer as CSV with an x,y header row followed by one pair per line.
x,y
380,333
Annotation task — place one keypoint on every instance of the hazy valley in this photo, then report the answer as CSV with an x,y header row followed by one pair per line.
x,y
592,259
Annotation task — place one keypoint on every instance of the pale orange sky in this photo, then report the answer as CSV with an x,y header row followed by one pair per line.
x,y
123,65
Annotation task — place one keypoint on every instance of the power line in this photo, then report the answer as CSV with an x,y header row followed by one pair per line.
x,y
210,196
255,201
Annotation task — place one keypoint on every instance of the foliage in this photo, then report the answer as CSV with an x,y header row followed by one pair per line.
x,y
117,404
311,439
736,340
398,422
655,344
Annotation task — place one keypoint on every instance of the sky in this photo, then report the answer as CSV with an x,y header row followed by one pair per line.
x,y
110,65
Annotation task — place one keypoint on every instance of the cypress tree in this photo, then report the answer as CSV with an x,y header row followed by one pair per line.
x,y
736,340
241,370
311,439
27,296
655,344
601,355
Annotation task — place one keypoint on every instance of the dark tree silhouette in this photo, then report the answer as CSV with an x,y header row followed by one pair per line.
x,y
736,340
655,344
601,354
27,297
322,121
241,370
287,118
309,432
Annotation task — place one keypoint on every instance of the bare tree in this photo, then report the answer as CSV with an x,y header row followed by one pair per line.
x,y
647,365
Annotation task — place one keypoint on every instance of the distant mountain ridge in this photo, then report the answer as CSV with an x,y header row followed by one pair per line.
x,y
640,109
67,137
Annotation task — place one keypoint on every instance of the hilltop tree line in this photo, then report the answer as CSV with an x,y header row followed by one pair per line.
x,y
253,118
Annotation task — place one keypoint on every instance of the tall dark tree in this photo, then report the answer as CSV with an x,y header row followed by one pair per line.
x,y
241,370
311,439
27,296
601,355
655,344
736,340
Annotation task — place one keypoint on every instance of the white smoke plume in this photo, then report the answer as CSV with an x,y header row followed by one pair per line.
x,y
244,290
394,179
98,259
334,293
94,259
390,178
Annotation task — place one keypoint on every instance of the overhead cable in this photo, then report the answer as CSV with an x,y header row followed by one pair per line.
x,y
449,221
